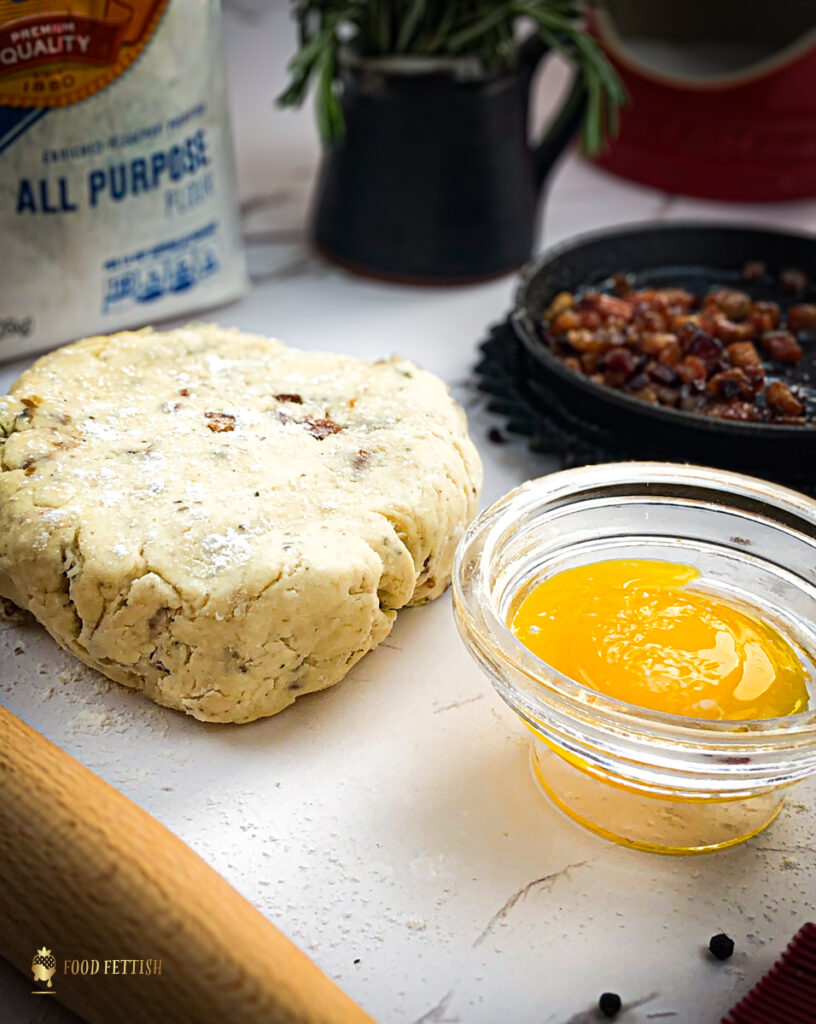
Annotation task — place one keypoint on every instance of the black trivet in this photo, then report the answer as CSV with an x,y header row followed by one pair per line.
x,y
530,404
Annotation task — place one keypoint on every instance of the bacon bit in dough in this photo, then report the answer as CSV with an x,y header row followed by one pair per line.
x,y
220,421
320,428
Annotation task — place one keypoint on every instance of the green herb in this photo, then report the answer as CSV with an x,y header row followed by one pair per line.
x,y
482,29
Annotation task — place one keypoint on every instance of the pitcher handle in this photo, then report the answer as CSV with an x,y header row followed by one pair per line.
x,y
564,125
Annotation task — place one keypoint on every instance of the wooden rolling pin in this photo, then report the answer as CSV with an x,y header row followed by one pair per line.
x,y
91,876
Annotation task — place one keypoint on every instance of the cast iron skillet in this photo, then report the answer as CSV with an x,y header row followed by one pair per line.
x,y
694,256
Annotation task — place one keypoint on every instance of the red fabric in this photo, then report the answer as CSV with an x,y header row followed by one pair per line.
x,y
787,993
755,141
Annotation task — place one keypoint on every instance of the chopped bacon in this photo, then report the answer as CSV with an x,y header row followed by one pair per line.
x,y
728,331
562,301
802,317
619,364
667,347
734,304
782,346
793,279
730,384
583,340
744,353
765,316
654,342
782,400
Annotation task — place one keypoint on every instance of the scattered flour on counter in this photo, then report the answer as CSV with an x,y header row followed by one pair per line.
x,y
92,722
135,777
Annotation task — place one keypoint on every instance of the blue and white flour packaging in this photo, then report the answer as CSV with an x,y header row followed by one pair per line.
x,y
117,182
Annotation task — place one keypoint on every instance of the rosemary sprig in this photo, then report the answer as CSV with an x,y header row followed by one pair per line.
x,y
485,29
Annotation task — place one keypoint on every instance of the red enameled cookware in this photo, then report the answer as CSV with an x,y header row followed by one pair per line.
x,y
723,96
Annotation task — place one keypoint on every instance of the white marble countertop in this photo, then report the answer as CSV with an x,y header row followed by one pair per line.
x,y
391,826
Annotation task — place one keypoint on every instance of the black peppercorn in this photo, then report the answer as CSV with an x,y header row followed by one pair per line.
x,y
721,946
610,1004
495,436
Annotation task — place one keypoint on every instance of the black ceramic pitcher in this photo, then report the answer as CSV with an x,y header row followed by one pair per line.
x,y
435,180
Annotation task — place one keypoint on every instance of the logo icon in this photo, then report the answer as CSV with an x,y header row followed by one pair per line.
x,y
53,55
43,967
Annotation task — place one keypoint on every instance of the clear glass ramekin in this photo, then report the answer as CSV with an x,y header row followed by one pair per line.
x,y
644,778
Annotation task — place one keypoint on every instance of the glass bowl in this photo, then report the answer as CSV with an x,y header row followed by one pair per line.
x,y
647,779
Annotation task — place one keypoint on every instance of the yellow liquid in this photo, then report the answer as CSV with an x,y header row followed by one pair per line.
x,y
636,631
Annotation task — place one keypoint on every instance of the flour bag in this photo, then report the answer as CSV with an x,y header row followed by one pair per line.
x,y
117,183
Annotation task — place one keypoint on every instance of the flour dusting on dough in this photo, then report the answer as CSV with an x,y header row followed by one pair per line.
x,y
222,522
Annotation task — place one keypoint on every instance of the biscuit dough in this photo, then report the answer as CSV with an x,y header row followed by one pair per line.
x,y
223,522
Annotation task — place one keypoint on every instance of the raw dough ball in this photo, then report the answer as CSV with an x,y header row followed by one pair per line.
x,y
221,521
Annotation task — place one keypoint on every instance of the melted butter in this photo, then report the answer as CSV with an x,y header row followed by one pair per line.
x,y
637,631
